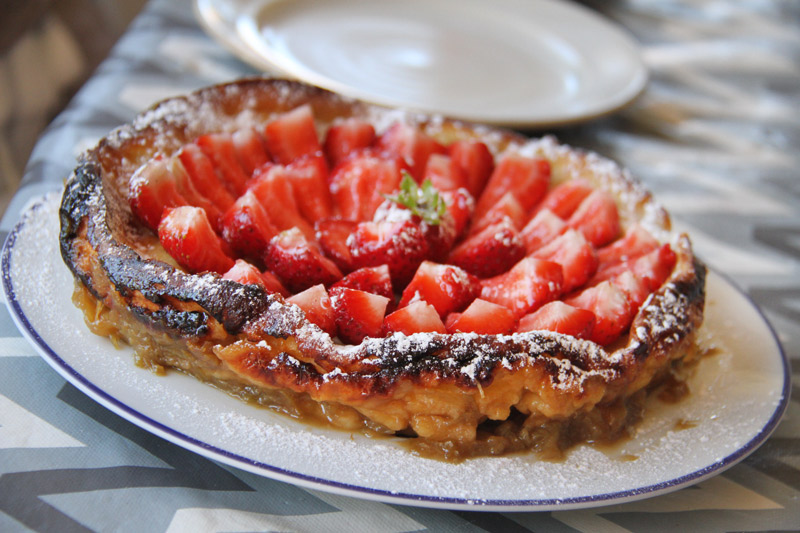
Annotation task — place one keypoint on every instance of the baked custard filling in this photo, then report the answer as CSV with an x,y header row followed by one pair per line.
x,y
470,290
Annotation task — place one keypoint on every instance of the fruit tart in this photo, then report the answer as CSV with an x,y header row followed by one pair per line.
x,y
464,288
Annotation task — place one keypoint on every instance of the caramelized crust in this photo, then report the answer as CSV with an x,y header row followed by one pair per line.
x,y
239,337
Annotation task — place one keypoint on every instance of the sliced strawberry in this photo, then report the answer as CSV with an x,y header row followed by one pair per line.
x,y
417,317
507,207
370,279
309,177
191,194
246,226
187,235
541,229
332,235
561,318
298,262
292,135
636,241
483,318
597,218
220,150
634,287
246,273
576,256
273,187
653,267
358,314
250,149
358,184
399,244
565,198
414,146
444,173
526,177
347,136
611,308
446,287
477,162
204,177
460,205
490,252
152,190
529,284
316,304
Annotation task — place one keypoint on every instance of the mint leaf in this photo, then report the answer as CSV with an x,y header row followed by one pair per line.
x,y
425,201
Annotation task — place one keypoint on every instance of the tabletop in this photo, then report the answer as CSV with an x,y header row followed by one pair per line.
x,y
715,136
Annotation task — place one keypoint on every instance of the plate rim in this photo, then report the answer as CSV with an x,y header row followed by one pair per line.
x,y
214,452
228,34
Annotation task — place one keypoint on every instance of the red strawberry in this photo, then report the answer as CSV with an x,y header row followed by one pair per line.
x,y
506,207
565,198
272,186
152,190
358,314
358,184
527,286
316,304
611,308
541,229
298,262
576,256
309,177
370,279
597,218
634,287
482,317
418,317
332,235
347,136
414,146
204,177
526,177
446,287
399,244
490,252
653,267
246,273
220,150
636,241
444,173
190,193
460,205
187,235
561,318
477,162
250,149
246,227
292,135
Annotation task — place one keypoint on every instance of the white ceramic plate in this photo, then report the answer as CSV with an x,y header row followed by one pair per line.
x,y
529,63
737,399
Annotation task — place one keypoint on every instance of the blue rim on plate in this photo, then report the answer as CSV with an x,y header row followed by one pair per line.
x,y
443,502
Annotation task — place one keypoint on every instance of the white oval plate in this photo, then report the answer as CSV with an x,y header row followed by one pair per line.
x,y
738,396
525,63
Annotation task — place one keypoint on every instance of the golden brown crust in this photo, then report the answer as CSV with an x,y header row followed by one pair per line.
x,y
440,386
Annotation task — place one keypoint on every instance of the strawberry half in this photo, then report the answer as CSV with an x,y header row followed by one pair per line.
x,y
187,235
246,227
272,185
529,284
298,262
653,267
247,274
597,218
417,317
369,279
220,150
414,146
292,135
637,241
152,190
346,137
561,318
332,235
444,173
475,160
400,244
460,205
204,177
250,149
526,177
490,252
358,184
565,198
576,256
507,207
358,314
309,178
446,287
483,318
612,310
316,304
541,229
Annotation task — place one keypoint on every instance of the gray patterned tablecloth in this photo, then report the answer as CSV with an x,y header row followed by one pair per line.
x,y
716,136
